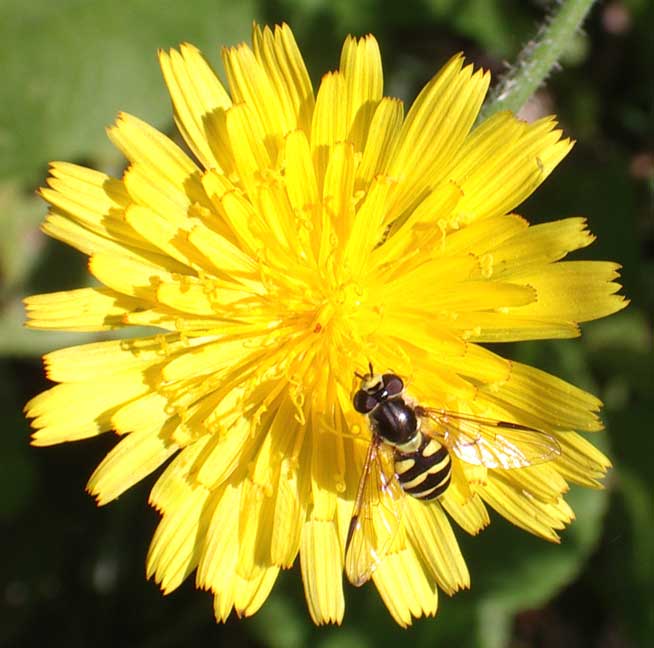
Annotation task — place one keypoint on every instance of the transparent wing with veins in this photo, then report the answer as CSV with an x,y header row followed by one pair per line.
x,y
489,442
377,514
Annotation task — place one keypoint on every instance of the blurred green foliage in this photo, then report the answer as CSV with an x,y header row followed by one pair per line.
x,y
73,575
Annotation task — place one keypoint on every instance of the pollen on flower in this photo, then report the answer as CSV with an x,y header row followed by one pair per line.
x,y
297,398
486,262
181,325
162,341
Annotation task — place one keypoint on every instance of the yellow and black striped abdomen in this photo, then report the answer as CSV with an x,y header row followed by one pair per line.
x,y
424,473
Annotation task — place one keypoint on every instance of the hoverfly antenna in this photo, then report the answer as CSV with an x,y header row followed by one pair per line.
x,y
365,376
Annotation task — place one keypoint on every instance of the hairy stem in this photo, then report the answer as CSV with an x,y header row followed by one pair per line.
x,y
537,59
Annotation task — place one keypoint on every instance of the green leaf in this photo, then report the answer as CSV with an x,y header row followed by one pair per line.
x,y
486,22
512,571
69,66
20,240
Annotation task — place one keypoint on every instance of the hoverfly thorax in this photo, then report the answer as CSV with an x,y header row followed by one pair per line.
x,y
390,416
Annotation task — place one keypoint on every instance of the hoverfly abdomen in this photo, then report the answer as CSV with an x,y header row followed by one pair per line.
x,y
426,472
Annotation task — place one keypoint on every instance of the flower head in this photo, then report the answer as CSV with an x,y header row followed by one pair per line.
x,y
304,237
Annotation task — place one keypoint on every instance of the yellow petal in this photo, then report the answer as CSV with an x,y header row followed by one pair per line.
x,y
327,474
67,231
364,83
251,86
454,269
223,603
141,414
328,126
251,593
405,588
435,128
503,162
284,235
204,359
290,513
278,54
84,309
88,191
422,334
478,296
257,509
88,219
471,516
135,457
236,212
200,102
480,236
368,227
174,484
131,276
538,245
523,510
404,238
573,290
161,176
290,483
248,140
533,395
221,455
580,461
542,481
434,540
95,403
221,252
174,551
217,564
504,327
90,361
199,298
92,199
164,236
381,140
301,181
337,197
320,557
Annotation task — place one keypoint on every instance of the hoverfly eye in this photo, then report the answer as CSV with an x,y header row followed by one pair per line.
x,y
392,384
363,402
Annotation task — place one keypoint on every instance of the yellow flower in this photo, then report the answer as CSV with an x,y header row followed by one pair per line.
x,y
304,237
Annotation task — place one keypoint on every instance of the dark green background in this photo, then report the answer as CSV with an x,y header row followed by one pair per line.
x,y
73,575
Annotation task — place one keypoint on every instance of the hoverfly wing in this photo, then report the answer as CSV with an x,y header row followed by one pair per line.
x,y
377,514
489,442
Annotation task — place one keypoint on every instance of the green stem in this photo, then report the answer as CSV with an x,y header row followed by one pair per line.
x,y
537,58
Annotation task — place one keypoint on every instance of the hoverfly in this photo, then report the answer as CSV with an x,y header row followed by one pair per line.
x,y
410,454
